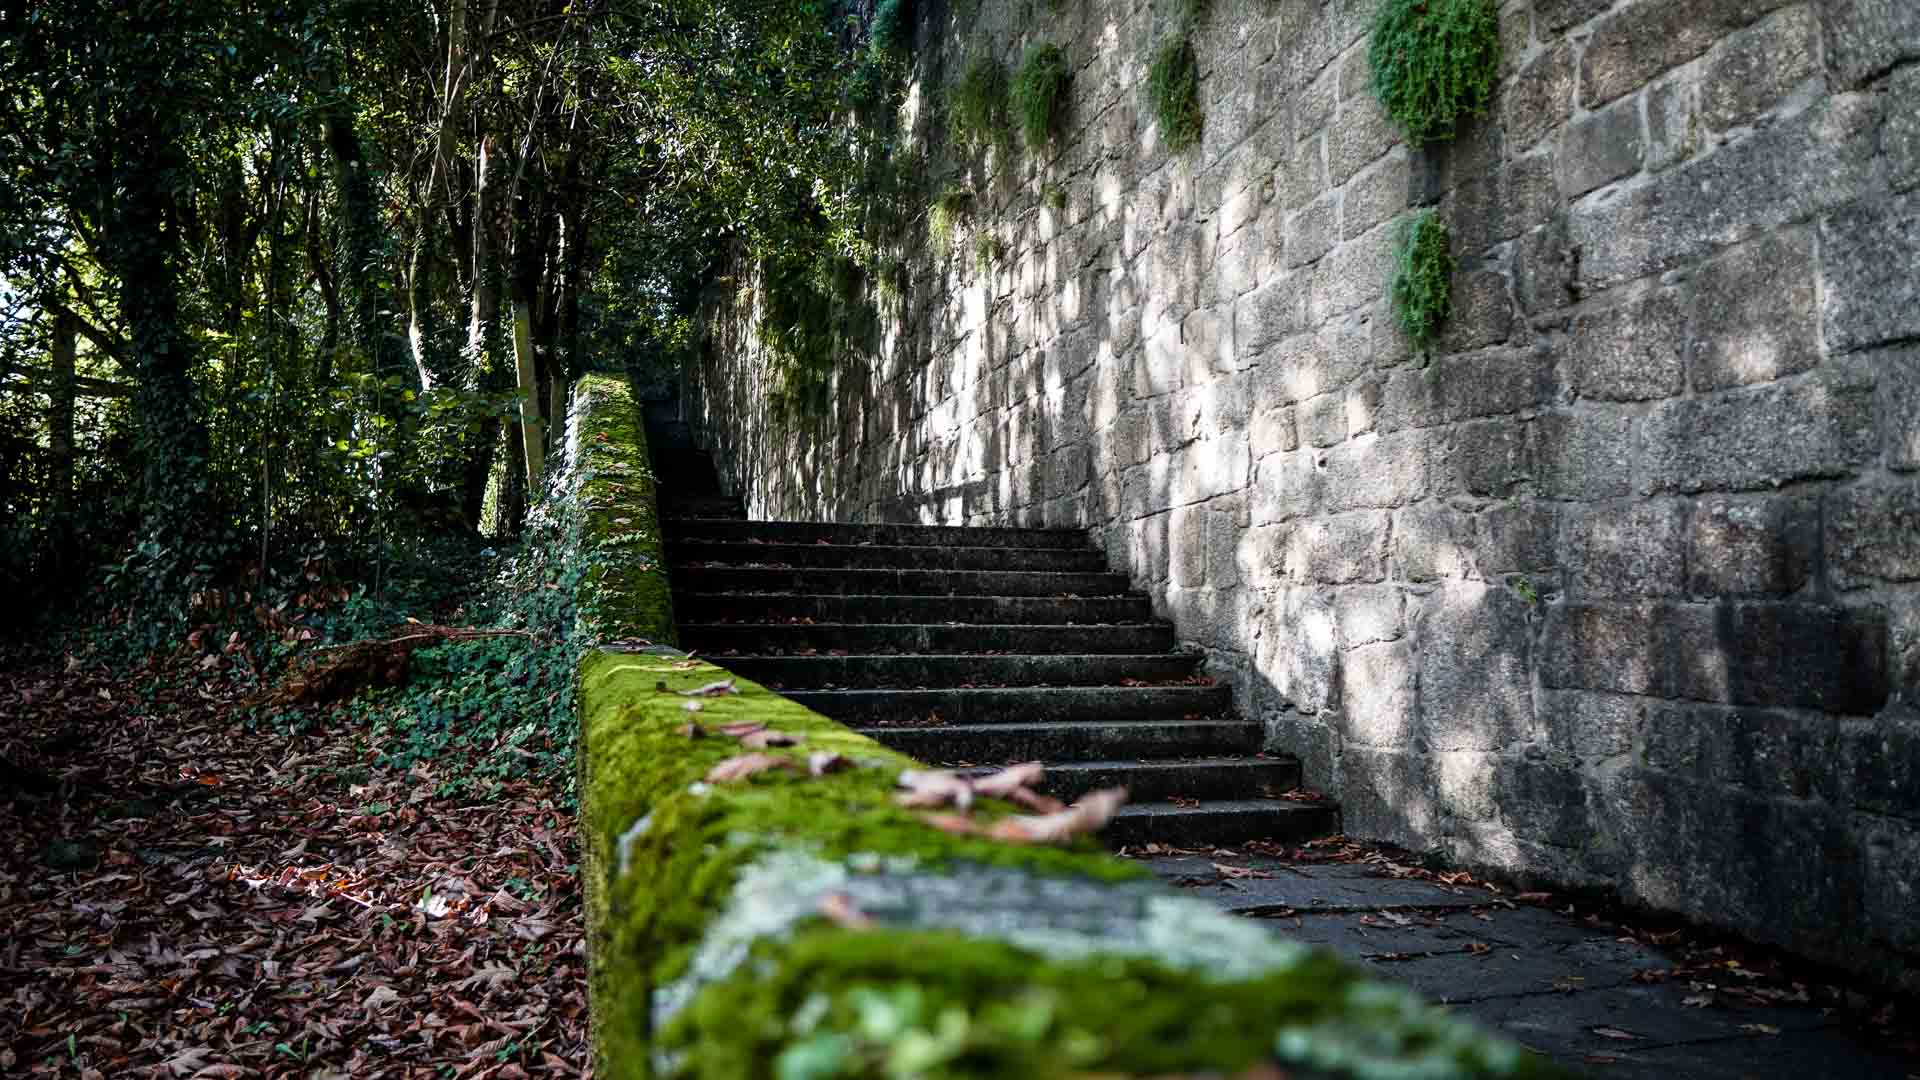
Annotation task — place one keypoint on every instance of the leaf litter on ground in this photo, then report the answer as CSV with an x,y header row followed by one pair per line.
x,y
201,900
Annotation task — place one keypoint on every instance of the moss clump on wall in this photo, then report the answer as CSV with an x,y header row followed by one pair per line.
x,y
943,217
977,106
1173,89
1434,62
1422,276
988,252
815,310
1040,93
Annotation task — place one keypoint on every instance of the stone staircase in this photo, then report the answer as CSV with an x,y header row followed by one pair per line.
x,y
977,647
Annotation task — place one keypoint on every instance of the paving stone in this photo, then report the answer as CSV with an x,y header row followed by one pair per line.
x,y
1310,888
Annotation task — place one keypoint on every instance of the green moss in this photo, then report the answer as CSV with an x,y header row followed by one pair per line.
x,y
1055,196
943,217
1173,89
625,593
639,767
988,252
977,106
929,1003
1421,286
1434,62
1040,93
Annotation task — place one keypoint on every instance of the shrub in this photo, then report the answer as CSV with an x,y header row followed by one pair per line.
x,y
1434,62
1040,93
1422,273
892,29
1173,86
977,108
944,216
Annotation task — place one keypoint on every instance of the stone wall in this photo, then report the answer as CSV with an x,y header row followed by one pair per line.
x,y
1617,586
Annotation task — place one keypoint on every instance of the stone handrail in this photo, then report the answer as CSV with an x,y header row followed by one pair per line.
x,y
761,905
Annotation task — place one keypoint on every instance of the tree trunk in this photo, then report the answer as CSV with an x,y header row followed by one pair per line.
x,y
483,313
60,394
532,441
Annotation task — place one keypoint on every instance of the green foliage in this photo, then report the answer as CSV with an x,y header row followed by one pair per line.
x,y
1434,62
1421,286
988,252
977,106
1055,196
815,311
1040,93
943,217
1173,89
892,29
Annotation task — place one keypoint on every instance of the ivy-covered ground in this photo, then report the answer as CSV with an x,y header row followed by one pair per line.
x,y
203,895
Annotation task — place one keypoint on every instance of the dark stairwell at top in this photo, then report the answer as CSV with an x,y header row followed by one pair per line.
x,y
975,647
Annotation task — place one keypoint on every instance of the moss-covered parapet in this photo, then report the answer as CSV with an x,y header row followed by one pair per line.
x,y
793,920
624,593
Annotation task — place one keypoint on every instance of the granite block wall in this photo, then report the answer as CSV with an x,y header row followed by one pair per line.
x,y
1618,585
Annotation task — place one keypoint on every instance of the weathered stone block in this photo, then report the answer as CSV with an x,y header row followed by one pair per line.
x,y
1868,252
1362,404
1323,419
1755,68
1866,37
1375,196
1805,655
1591,726
1783,172
1752,544
1617,647
1492,382
1362,134
1355,273
1544,801
1754,318
1873,534
1674,131
1516,539
1432,542
1538,99
1599,149
1632,351
1482,313
1634,550
1492,209
1224,529
1311,232
1377,695
1384,793
1546,269
1899,383
1339,550
1377,471
1900,136
1476,668
1287,486
1760,437
1879,763
1641,40
1303,663
1491,458
1368,614
1583,454
1554,16
1186,547
1270,313
1272,431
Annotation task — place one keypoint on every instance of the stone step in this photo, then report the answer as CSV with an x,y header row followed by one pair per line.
x,y
679,473
742,579
867,556
900,534
1017,705
1185,778
722,639
800,609
1220,823
703,507
1097,740
961,670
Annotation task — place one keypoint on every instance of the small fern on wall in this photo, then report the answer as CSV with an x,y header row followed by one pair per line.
x,y
1040,93
1173,86
1422,271
1434,62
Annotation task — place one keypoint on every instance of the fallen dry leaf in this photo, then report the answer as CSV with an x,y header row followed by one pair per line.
x,y
742,766
822,762
761,740
1004,783
839,909
712,689
1089,815
933,787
